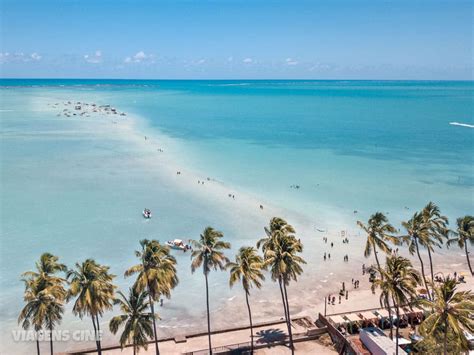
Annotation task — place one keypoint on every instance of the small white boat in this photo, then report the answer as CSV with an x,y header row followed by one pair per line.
x,y
146,213
178,244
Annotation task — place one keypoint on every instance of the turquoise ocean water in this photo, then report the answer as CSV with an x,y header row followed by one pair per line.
x,y
349,145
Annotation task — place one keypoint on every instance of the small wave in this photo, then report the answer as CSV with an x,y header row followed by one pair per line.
x,y
461,124
231,299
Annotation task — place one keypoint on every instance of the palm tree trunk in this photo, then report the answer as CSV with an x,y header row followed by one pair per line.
x,y
250,319
289,321
397,334
431,267
152,307
208,315
422,267
37,346
389,309
386,297
51,339
467,257
445,346
134,348
283,299
285,308
377,260
98,334
95,334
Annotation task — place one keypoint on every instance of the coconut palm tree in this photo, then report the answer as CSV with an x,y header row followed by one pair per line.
x,y
436,230
398,281
208,252
46,269
379,233
417,233
92,285
44,296
464,234
277,226
136,319
33,313
280,249
451,312
247,268
156,274
43,308
54,311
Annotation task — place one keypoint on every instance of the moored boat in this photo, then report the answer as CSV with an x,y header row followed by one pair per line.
x,y
178,244
146,213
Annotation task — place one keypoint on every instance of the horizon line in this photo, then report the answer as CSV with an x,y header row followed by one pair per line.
x,y
233,79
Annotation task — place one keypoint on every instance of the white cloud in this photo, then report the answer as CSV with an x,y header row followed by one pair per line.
x,y
201,61
95,58
19,57
230,59
248,60
290,61
140,57
35,56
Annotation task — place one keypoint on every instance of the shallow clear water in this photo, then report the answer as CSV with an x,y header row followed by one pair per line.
x,y
360,145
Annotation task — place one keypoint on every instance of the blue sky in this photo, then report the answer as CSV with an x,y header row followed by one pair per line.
x,y
319,39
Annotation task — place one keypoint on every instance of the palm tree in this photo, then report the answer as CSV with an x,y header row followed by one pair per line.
x,y
156,275
451,312
280,249
378,232
378,236
46,269
464,234
44,296
247,268
33,313
436,228
208,252
135,317
93,287
398,282
417,232
277,226
54,310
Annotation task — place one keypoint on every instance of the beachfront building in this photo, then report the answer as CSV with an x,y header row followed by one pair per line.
x,y
375,340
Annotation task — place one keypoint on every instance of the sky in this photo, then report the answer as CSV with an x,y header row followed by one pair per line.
x,y
237,39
